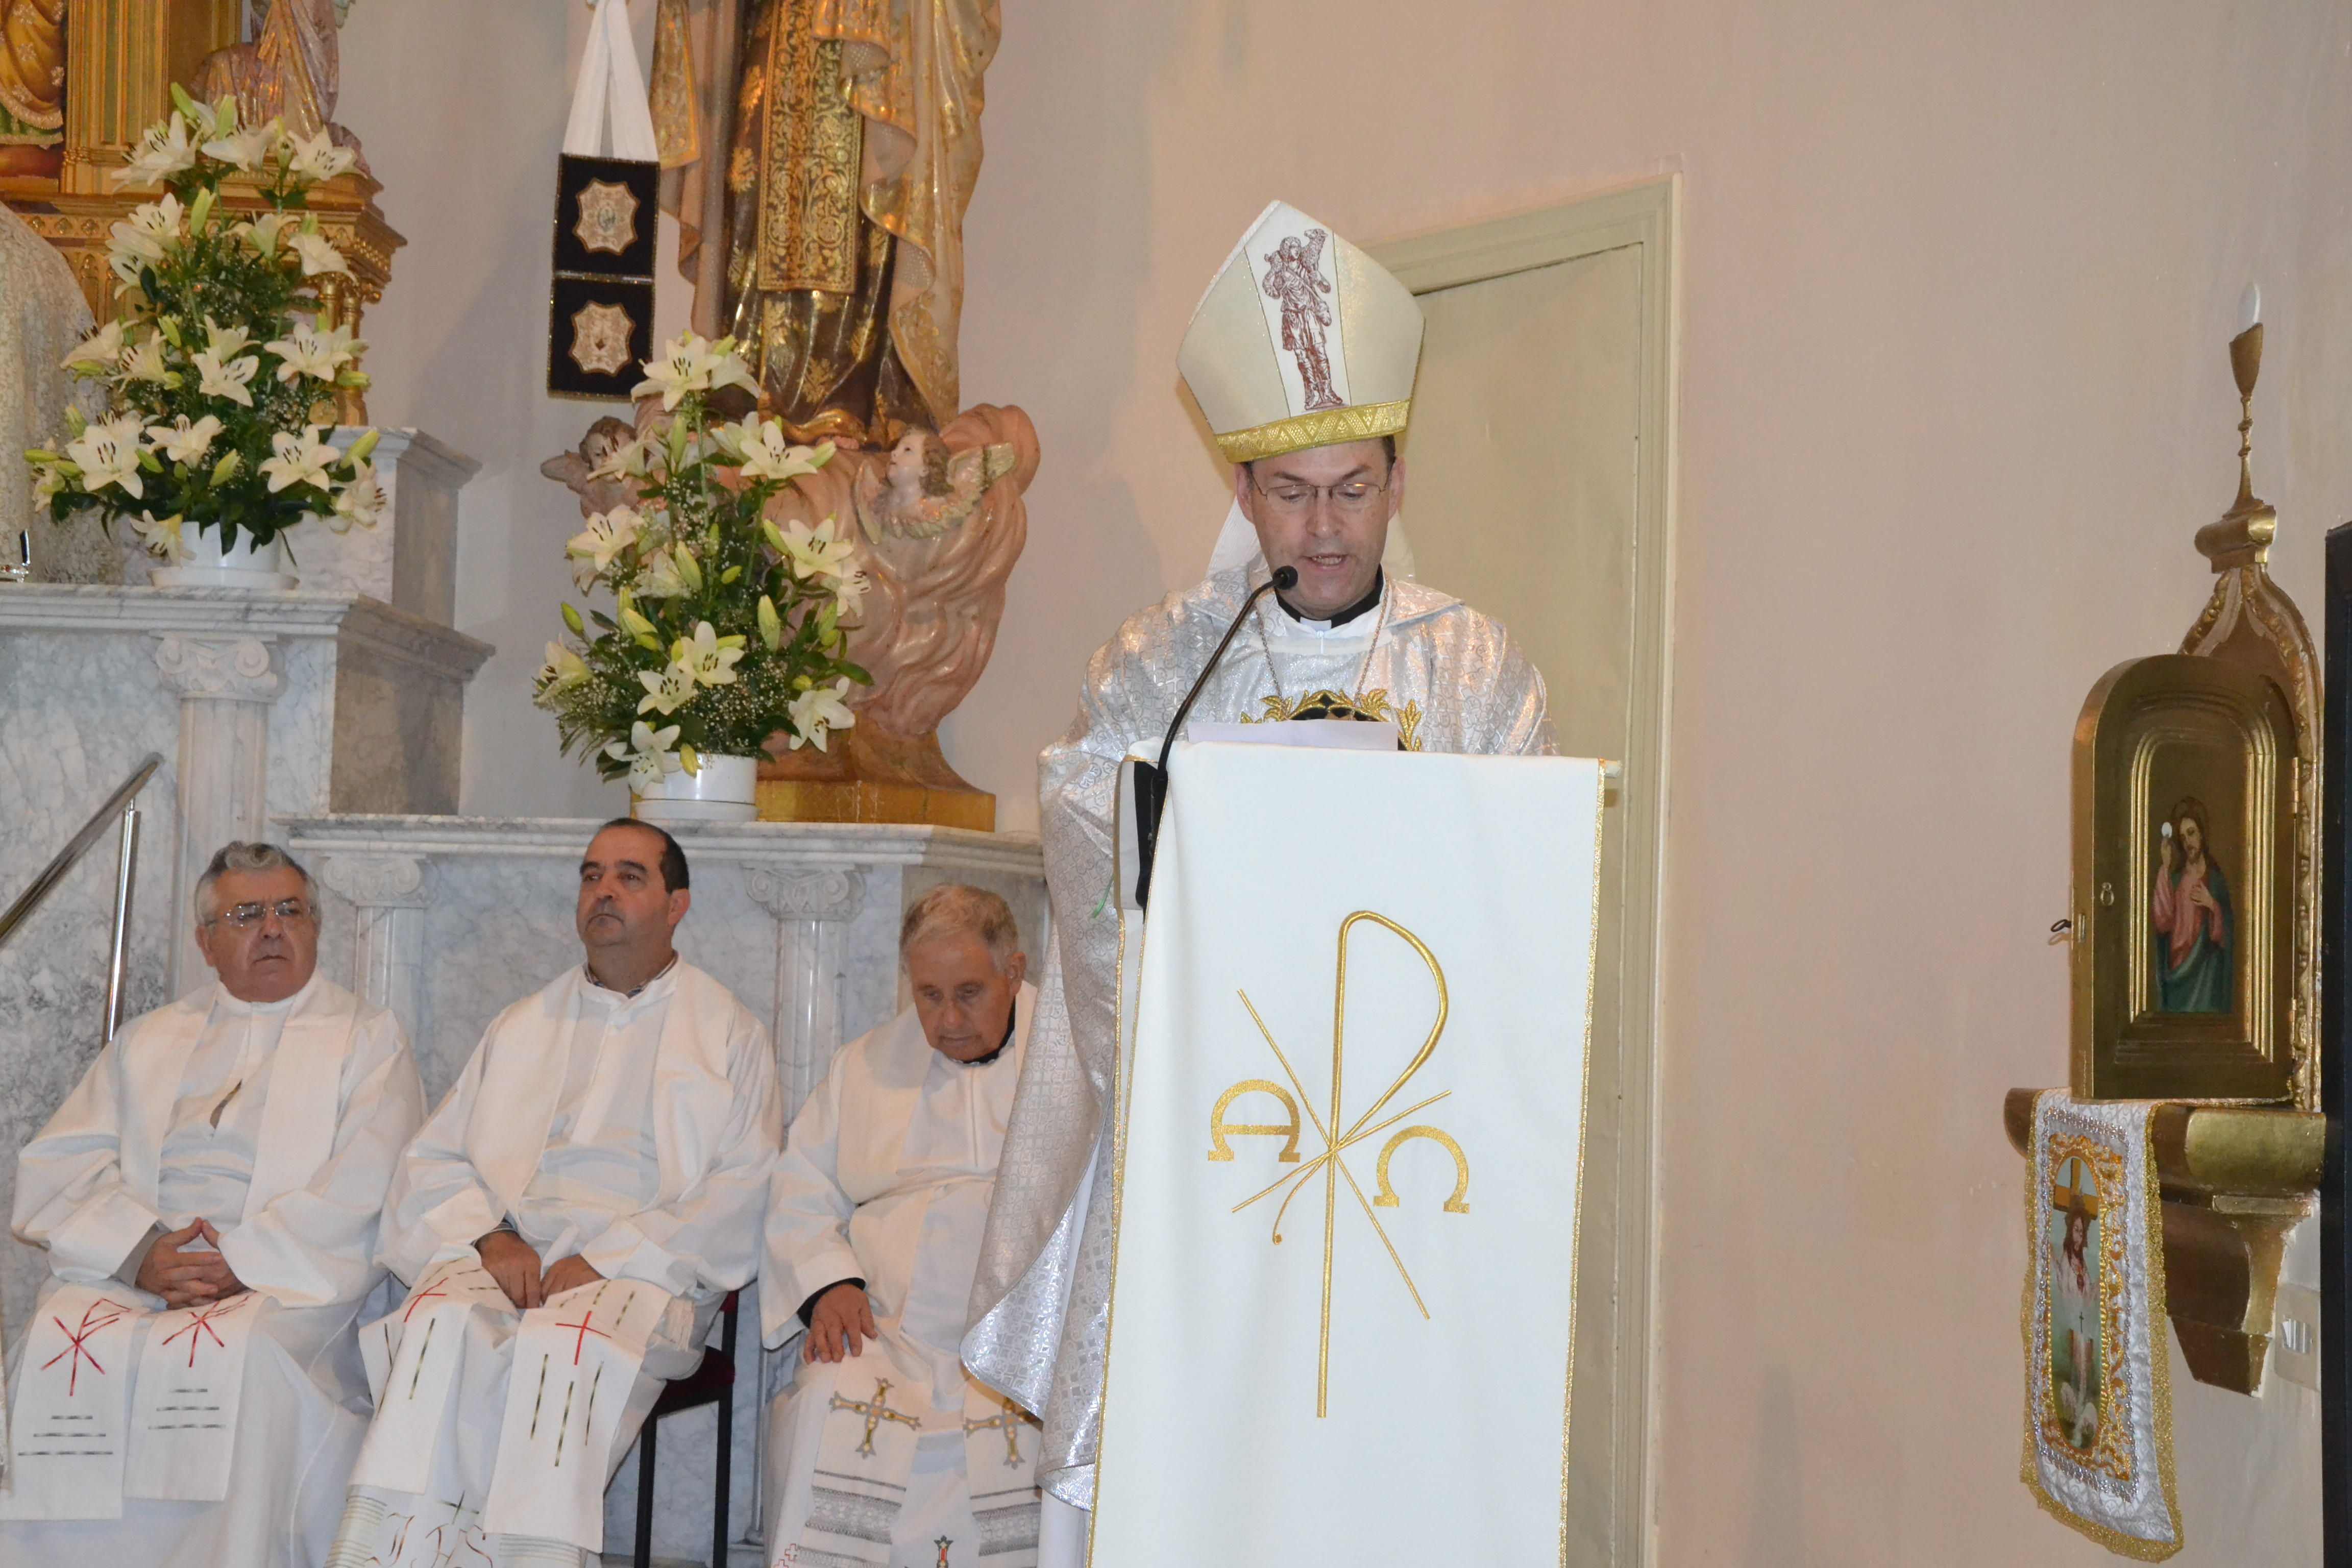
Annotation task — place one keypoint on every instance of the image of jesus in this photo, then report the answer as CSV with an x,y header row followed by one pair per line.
x,y
2190,915
2074,1371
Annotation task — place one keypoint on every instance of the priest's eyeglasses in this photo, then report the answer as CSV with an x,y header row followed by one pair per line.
x,y
245,917
1349,498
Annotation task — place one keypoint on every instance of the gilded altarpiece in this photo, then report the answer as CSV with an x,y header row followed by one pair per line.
x,y
121,58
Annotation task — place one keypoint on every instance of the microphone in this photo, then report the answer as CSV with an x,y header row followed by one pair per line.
x,y
1151,781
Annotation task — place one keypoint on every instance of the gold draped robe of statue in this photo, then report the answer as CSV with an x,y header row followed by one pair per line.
x,y
32,72
834,147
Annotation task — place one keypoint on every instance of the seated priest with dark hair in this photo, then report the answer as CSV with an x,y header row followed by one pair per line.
x,y
1302,356
568,1221
885,1450
208,1196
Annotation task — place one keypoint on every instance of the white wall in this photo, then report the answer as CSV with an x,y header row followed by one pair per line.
x,y
1959,279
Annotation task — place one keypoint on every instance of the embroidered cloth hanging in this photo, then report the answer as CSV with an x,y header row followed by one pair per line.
x,y
601,312
2099,1392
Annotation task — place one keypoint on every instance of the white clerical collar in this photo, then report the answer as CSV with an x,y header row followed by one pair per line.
x,y
1300,635
657,986
235,1008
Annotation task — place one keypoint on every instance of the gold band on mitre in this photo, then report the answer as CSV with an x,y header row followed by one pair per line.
x,y
1364,422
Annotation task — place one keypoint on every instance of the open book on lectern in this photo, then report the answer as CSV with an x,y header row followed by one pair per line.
x,y
1349,1146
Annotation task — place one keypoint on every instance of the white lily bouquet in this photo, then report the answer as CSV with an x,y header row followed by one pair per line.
x,y
214,359
725,629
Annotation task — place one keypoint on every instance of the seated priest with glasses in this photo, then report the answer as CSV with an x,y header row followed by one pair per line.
x,y
1302,357
568,1223
208,1196
885,1450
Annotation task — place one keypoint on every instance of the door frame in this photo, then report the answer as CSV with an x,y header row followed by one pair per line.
x,y
1645,216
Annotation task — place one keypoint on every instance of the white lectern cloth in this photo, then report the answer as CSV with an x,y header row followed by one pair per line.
x,y
1445,1435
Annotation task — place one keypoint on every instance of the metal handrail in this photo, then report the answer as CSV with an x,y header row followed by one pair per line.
x,y
118,806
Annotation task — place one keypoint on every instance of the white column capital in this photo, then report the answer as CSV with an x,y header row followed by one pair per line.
x,y
231,669
826,895
377,881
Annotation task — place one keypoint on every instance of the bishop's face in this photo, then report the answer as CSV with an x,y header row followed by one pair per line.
x,y
964,1002
1325,511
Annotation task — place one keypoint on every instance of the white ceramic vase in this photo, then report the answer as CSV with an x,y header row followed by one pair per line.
x,y
726,789
204,564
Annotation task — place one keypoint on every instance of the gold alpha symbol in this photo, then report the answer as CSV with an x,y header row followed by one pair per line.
x,y
1336,1141
875,1412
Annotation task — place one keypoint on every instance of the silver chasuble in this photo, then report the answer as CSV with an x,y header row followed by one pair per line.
x,y
1449,677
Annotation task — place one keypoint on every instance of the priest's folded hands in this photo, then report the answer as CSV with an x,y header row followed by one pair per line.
x,y
209,1199
567,1223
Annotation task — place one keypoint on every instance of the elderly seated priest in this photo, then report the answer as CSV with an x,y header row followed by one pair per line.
x,y
568,1223
208,1196
1302,356
885,1450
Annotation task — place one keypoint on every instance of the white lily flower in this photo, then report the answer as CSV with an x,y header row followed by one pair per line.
x,y
263,232
308,352
319,255
630,459
314,158
107,454
226,380
225,342
666,688
818,712
181,442
99,350
162,152
849,594
768,455
711,658
684,365
208,120
648,753
51,483
818,551
360,501
161,538
301,459
248,149
150,232
563,669
608,534
661,579
144,360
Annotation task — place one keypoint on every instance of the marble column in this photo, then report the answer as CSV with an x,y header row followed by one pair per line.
x,y
225,686
387,895
810,909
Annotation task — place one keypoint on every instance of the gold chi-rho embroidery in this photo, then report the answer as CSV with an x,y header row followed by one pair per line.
x,y
1331,1162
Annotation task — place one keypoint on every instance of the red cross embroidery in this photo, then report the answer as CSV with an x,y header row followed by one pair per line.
x,y
420,1298
580,1342
201,1324
77,1343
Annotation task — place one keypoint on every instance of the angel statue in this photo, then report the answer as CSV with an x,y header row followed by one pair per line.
x,y
925,489
576,470
939,522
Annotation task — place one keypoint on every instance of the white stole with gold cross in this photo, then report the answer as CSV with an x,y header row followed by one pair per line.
x,y
865,1458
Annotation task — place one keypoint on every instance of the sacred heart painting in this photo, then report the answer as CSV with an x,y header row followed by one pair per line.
x,y
2184,884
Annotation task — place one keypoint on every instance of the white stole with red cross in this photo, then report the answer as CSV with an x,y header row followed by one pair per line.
x,y
183,1407
72,1407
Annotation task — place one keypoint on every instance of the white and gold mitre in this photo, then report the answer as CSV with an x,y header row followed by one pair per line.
x,y
1301,340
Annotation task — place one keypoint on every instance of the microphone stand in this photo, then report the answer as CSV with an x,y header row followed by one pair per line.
x,y
1150,781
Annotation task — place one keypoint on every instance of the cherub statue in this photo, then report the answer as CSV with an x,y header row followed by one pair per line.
x,y
576,470
926,489
940,521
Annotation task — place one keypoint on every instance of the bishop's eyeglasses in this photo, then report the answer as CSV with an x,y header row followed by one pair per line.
x,y
245,917
1349,498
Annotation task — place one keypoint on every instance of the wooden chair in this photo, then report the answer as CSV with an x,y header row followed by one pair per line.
x,y
712,1382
